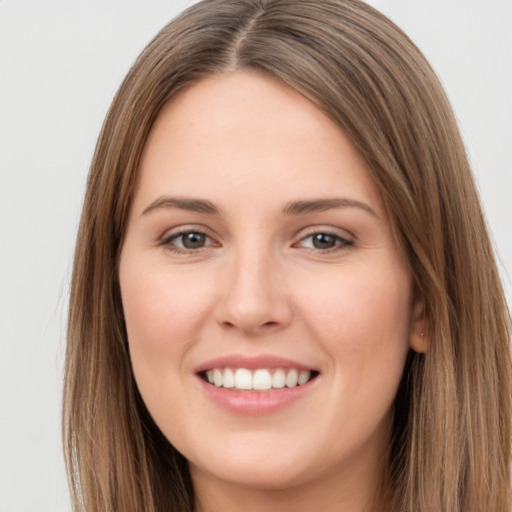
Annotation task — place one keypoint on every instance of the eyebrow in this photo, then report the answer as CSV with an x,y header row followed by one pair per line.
x,y
192,205
321,205
292,208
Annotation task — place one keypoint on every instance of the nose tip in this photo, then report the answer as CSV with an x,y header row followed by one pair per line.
x,y
251,322
254,301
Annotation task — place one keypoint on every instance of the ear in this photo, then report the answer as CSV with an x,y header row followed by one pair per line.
x,y
419,335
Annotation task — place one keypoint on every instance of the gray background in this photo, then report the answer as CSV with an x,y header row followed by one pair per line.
x,y
60,65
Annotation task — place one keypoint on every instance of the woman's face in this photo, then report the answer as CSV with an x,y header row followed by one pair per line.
x,y
259,255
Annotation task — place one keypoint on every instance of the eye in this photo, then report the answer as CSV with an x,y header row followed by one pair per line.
x,y
324,241
187,241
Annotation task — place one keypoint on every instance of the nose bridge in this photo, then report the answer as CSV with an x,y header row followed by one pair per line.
x,y
254,299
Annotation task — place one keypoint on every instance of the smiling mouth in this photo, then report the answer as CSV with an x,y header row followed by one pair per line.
x,y
243,379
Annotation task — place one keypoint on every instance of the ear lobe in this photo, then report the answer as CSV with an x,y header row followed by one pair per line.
x,y
419,339
419,342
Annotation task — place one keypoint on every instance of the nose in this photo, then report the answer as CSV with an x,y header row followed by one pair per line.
x,y
254,298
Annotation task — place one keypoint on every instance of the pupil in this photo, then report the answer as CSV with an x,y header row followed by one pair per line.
x,y
193,240
323,241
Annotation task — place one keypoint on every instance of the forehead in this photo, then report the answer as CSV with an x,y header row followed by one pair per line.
x,y
245,130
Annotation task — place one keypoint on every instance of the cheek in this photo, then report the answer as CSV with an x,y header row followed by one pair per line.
x,y
160,305
361,318
163,312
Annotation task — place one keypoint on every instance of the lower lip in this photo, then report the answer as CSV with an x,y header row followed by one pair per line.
x,y
255,402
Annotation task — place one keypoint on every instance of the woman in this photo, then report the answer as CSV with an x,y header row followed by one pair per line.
x,y
284,294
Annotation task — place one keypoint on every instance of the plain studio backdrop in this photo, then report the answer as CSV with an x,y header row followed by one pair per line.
x,y
60,65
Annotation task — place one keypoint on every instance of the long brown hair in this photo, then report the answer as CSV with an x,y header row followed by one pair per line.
x,y
450,448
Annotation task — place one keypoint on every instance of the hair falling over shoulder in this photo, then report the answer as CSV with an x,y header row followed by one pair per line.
x,y
450,446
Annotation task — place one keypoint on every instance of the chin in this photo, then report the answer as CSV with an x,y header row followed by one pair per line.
x,y
271,475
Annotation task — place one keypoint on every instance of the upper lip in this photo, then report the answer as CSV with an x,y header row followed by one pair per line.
x,y
251,362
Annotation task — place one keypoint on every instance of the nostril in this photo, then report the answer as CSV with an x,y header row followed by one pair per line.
x,y
263,326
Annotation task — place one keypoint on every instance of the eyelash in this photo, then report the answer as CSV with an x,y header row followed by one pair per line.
x,y
169,241
341,243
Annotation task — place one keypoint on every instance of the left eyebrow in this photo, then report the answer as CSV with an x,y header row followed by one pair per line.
x,y
321,205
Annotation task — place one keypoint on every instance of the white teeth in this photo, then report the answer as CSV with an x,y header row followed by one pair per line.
x,y
217,377
229,378
258,380
304,376
262,380
291,378
278,379
243,379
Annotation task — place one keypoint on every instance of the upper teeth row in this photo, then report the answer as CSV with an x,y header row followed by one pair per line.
x,y
260,380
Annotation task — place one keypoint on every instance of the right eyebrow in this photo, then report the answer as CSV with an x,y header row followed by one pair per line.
x,y
189,204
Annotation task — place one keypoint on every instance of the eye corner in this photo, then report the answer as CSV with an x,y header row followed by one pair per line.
x,y
188,240
324,241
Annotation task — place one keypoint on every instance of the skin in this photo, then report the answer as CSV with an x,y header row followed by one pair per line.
x,y
258,284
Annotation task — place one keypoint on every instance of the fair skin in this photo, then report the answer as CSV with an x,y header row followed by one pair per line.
x,y
257,236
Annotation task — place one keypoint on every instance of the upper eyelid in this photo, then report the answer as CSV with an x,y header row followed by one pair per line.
x,y
168,242
301,234
181,230
343,240
330,230
179,234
